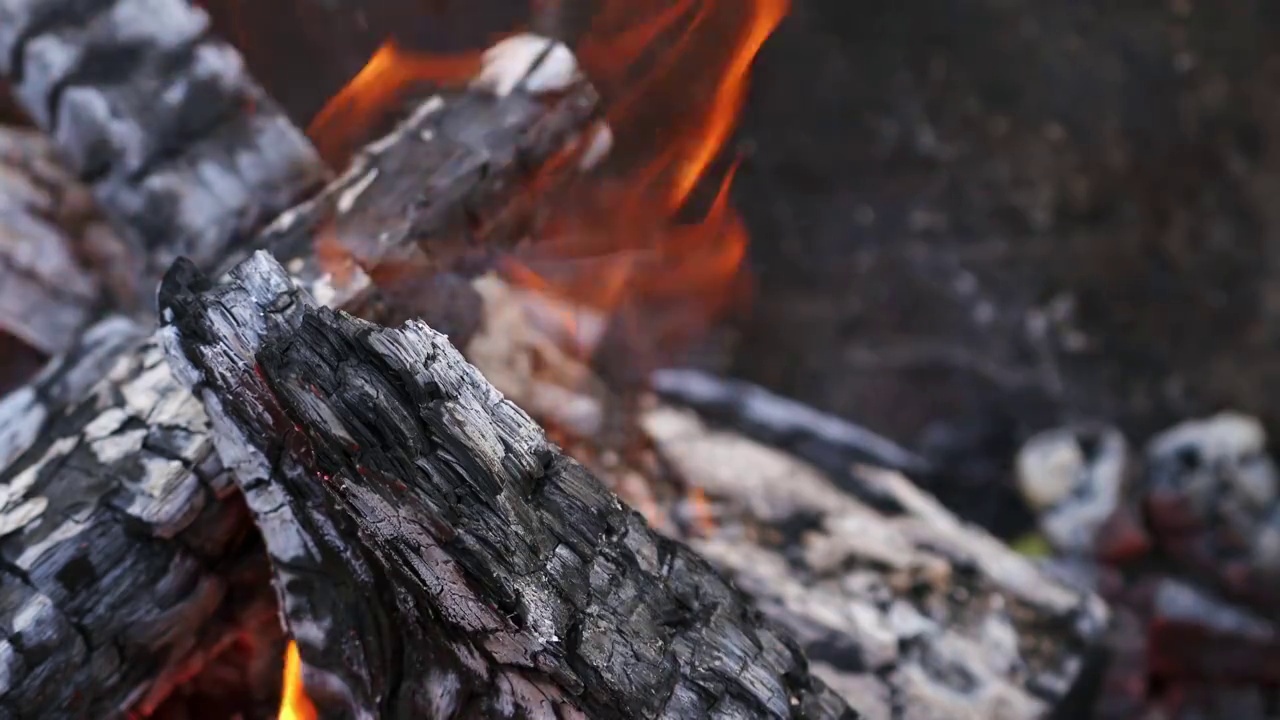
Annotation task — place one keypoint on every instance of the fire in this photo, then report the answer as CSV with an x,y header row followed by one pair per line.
x,y
294,703
674,74
348,116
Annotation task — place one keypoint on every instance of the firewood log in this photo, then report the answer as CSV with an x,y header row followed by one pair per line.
x,y
183,150
58,256
117,520
109,517
434,555
899,606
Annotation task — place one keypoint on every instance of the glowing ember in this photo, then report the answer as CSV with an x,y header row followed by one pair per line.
x,y
294,703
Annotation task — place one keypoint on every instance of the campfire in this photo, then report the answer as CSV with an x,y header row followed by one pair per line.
x,y
397,414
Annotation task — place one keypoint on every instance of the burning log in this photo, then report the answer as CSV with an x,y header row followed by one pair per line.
x,y
435,556
459,178
125,558
184,151
118,521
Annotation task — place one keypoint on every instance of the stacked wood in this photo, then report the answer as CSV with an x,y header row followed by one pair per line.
x,y
130,556
118,521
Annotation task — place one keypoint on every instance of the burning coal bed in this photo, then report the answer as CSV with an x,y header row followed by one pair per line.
x,y
401,445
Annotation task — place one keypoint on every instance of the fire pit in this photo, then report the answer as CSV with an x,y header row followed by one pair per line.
x,y
398,435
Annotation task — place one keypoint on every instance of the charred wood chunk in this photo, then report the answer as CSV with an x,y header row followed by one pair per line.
x,y
183,149
58,258
1210,494
120,544
435,556
899,603
457,181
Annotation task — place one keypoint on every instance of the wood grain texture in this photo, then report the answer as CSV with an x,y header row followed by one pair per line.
x,y
435,556
129,455
184,151
900,607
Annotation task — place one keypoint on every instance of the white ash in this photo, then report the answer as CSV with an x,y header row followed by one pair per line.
x,y
22,416
598,145
15,490
1225,449
527,61
23,515
1072,478
348,197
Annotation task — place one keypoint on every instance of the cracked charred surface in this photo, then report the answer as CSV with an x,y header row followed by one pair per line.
x,y
58,257
123,557
435,556
458,180
131,456
908,612
183,150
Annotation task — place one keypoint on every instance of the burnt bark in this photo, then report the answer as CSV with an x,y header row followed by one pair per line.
x,y
59,260
899,606
455,183
118,520
123,553
183,150
434,555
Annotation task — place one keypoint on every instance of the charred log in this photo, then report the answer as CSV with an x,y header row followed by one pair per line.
x,y
110,522
182,148
59,260
118,494
899,606
435,556
456,182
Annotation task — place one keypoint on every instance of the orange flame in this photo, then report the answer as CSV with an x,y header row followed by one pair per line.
x,y
340,124
675,73
730,95
294,703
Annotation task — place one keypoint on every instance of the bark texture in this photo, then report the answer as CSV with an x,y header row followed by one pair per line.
x,y
118,519
435,556
182,148
121,549
903,609
59,260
